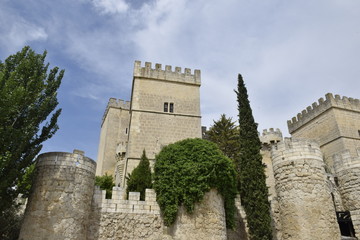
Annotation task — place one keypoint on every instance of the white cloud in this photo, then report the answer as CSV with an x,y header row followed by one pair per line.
x,y
289,53
110,6
16,31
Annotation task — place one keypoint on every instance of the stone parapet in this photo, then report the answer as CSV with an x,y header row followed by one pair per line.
x,y
118,204
67,160
168,74
316,109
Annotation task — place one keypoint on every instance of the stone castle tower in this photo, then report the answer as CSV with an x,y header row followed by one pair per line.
x,y
335,124
313,177
164,108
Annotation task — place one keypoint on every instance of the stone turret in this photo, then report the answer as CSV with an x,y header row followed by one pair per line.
x,y
305,203
60,203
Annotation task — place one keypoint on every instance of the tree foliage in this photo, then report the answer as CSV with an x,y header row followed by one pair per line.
x,y
225,134
186,170
140,178
252,188
28,95
105,182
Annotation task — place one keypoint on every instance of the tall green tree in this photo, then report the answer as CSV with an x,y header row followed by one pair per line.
x,y
140,178
252,188
28,96
225,134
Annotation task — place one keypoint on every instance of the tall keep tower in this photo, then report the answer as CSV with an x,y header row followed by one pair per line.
x,y
334,123
165,108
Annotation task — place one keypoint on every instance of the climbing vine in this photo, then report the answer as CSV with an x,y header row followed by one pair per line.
x,y
186,170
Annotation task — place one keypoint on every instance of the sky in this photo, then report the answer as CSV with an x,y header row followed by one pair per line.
x,y
290,53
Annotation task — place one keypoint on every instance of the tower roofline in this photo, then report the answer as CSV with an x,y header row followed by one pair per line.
x,y
168,74
321,106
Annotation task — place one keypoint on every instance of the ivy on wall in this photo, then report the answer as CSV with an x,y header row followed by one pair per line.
x,y
186,170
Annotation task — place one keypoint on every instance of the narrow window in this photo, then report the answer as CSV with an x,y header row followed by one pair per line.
x,y
359,132
171,107
336,180
166,106
126,131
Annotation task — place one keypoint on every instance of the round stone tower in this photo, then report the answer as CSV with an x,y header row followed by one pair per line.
x,y
305,203
347,169
60,202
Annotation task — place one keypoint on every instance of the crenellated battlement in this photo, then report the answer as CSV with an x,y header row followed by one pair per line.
x,y
292,150
321,106
167,74
76,159
344,160
271,136
116,103
118,204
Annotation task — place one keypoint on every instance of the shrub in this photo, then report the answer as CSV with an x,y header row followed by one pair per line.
x,y
105,182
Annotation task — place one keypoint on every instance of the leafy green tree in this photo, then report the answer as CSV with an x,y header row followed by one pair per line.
x,y
253,189
105,182
140,178
225,134
186,170
25,182
28,95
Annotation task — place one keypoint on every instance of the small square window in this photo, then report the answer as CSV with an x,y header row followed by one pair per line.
x,y
171,107
166,107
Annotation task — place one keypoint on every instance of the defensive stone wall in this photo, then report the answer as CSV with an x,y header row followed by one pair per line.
x,y
60,203
118,204
159,74
347,169
316,109
305,202
118,218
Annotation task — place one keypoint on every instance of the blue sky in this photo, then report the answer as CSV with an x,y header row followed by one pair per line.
x,y
290,53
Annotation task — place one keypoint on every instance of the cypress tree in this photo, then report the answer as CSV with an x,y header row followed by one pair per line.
x,y
140,178
252,186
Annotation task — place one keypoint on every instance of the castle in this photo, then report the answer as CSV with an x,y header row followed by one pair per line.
x,y
313,177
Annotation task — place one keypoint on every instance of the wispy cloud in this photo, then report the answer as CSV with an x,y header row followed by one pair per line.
x,y
111,6
17,31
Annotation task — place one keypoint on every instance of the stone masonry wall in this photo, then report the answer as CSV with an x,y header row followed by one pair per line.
x,y
306,207
60,202
118,218
347,170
